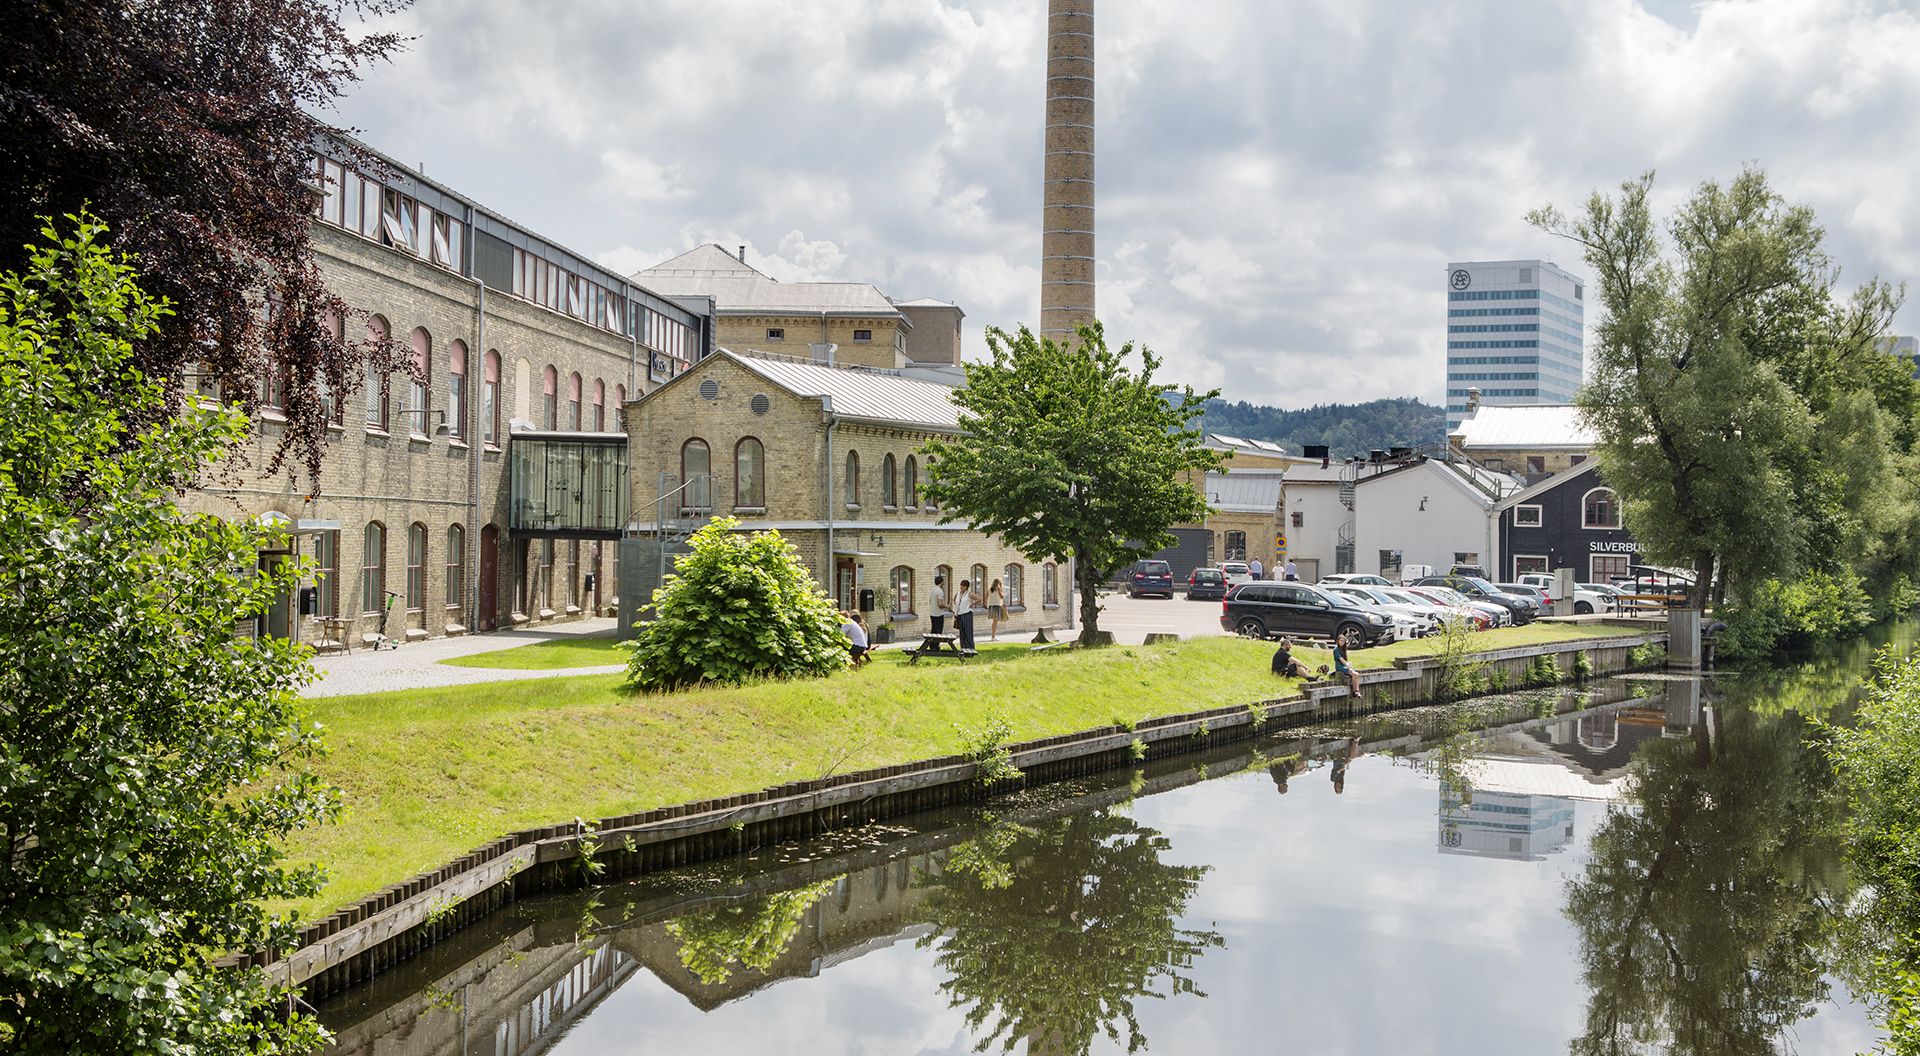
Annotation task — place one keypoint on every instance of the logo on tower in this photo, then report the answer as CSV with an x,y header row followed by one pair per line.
x,y
1460,279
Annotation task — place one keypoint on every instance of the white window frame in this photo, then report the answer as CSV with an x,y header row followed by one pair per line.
x,y
1539,515
1593,573
1584,523
1545,564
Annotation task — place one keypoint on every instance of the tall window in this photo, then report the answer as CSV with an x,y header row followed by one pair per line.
x,y
326,569
457,389
376,378
416,568
749,474
546,574
902,583
852,485
1049,585
1236,546
573,401
978,577
947,583
1016,586
913,483
417,385
456,567
573,573
620,405
889,496
338,413
550,398
373,569
490,398
1600,509
599,405
696,470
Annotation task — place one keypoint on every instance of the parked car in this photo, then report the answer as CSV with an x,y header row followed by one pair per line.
x,y
1542,601
1237,572
1151,576
1267,610
1408,621
1586,598
1440,611
1496,615
1481,590
1468,570
1206,584
1356,578
1409,573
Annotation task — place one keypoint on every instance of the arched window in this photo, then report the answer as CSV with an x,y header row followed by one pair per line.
x,y
457,389
1600,508
550,398
416,568
696,470
599,405
573,400
620,406
913,483
1049,586
456,567
1236,548
373,569
852,487
944,573
418,383
749,474
377,333
490,398
978,577
1016,587
338,412
902,583
889,496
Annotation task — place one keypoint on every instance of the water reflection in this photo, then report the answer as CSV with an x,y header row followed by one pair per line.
x,y
1685,837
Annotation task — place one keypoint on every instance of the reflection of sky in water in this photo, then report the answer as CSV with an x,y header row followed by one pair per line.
x,y
1346,932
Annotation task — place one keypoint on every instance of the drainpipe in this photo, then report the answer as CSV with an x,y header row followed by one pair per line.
x,y
476,355
826,404
633,334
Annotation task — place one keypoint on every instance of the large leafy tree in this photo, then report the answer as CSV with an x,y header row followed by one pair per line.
x,y
187,125
1067,452
1695,428
148,756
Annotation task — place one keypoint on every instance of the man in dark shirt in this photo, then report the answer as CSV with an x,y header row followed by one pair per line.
x,y
1284,664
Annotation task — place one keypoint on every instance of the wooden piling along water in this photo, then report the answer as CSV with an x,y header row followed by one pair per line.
x,y
357,942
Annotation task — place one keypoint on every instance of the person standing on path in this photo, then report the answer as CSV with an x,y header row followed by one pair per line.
x,y
963,603
996,610
940,611
1293,571
1259,570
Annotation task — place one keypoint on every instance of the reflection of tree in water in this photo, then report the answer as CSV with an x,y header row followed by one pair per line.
x,y
1055,943
752,933
1705,911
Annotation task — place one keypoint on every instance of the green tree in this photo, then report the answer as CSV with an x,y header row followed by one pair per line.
x,y
147,754
1057,948
1696,429
752,934
1068,453
740,606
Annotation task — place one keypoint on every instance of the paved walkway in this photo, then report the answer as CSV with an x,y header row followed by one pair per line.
x,y
416,665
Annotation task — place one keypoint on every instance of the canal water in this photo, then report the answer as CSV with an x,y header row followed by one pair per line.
x,y
1642,865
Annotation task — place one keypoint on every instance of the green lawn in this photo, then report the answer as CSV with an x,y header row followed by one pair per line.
x,y
548,656
430,774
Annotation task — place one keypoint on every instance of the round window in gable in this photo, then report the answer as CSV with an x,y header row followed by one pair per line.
x,y
709,389
760,403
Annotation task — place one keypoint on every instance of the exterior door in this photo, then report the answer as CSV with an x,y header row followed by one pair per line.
x,y
843,581
277,621
489,576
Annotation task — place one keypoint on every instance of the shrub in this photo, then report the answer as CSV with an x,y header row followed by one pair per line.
x,y
1774,615
1582,666
738,607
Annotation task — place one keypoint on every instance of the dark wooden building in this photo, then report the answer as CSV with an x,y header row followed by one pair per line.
x,y
1570,519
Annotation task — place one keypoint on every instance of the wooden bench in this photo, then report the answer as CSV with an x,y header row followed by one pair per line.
x,y
936,645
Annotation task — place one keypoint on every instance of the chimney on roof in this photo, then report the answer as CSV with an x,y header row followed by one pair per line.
x,y
1318,451
743,254
1473,399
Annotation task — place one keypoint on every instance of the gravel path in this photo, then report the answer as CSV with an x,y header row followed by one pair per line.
x,y
416,665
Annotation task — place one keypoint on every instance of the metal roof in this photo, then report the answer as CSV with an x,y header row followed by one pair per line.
x,y
871,395
738,288
1245,490
1535,427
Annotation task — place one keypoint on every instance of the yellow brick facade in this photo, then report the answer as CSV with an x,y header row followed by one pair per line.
x,y
884,345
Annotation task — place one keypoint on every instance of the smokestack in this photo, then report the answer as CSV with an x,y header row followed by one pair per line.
x,y
743,254
1066,238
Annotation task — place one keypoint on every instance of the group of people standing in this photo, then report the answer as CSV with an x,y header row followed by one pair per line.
x,y
1290,572
966,598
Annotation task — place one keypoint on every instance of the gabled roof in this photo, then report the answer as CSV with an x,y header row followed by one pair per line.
x,y
1483,485
1535,427
739,289
1548,483
1245,490
709,259
867,395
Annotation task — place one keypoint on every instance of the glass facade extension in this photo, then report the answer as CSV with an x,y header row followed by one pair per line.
x,y
567,485
1530,310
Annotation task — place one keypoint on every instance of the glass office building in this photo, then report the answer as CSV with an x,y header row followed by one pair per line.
x,y
1516,331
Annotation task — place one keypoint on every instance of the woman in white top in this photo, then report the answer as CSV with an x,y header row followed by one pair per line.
x,y
996,610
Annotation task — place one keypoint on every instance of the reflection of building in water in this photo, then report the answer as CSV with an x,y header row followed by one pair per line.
x,y
1504,824
534,1025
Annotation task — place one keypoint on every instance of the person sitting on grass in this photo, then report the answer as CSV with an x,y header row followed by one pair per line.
x,y
1342,667
856,631
1284,663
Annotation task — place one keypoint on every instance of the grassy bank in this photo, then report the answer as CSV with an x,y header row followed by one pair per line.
x,y
429,774
555,655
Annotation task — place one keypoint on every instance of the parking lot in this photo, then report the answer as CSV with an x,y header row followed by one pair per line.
x,y
1131,619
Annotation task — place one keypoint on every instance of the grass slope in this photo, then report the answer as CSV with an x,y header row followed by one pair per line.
x,y
430,774
547,656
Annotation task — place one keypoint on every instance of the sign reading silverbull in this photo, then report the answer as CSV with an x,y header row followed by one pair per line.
x,y
1613,546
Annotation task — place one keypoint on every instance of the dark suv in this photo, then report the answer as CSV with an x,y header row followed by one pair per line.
x,y
1206,584
1480,590
1150,577
1268,610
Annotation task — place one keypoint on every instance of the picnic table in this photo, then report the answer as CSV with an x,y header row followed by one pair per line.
x,y
937,645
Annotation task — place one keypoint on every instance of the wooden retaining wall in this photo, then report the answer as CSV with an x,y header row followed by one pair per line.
x,y
360,941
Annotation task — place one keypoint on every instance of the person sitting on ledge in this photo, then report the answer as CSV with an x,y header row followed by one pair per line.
x,y
1285,665
856,631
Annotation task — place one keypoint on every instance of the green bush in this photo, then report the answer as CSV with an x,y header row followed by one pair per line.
x,y
738,607
1775,615
1582,666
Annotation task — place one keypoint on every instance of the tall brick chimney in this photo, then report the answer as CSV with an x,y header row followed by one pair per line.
x,y
1066,239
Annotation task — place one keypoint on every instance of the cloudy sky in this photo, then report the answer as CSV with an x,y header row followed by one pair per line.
x,y
1281,182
